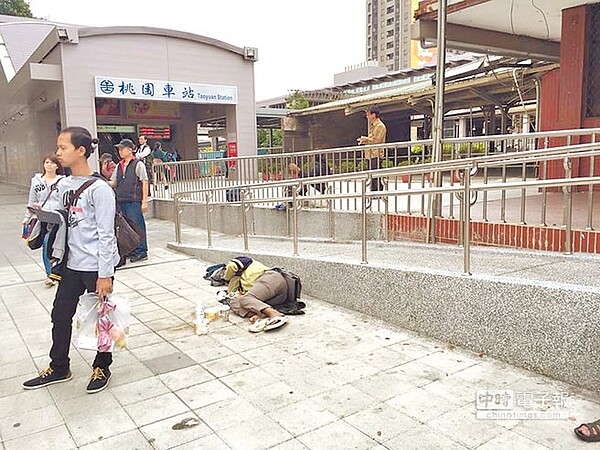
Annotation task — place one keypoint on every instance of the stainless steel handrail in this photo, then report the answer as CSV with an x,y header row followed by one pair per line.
x,y
584,150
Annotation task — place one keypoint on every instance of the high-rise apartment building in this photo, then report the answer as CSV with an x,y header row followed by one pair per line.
x,y
388,33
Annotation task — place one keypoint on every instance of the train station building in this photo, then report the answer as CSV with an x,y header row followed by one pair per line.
x,y
118,82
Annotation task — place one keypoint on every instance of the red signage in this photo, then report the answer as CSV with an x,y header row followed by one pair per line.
x,y
232,153
155,132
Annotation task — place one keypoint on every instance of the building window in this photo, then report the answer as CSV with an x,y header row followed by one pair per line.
x,y
389,56
390,9
389,33
390,21
592,62
389,45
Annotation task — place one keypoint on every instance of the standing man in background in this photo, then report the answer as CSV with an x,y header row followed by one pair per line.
x,y
377,134
144,153
130,181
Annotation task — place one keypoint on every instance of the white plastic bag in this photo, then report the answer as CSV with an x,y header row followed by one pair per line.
x,y
86,321
115,318
120,318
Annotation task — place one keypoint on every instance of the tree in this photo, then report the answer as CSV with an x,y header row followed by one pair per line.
x,y
296,100
263,138
18,8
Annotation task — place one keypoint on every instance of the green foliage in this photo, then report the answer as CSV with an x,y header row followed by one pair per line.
x,y
18,8
416,150
296,100
387,163
263,136
447,149
472,149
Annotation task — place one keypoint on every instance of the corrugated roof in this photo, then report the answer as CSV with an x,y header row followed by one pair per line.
x,y
415,90
20,39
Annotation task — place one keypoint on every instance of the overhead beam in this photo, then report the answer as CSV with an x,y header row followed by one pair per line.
x,y
490,98
479,40
428,8
422,109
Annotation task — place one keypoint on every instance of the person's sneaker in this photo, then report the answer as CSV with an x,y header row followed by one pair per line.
x,y
98,381
138,258
46,377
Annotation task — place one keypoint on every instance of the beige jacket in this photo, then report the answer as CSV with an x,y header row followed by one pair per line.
x,y
377,133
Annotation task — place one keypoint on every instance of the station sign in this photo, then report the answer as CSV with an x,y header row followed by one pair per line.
x,y
166,91
115,128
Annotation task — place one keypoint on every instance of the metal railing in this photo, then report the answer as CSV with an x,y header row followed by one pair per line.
x,y
289,191
231,172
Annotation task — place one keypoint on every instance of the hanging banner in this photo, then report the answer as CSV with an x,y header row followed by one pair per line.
x,y
141,109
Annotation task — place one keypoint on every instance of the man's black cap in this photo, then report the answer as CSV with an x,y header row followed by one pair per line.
x,y
125,143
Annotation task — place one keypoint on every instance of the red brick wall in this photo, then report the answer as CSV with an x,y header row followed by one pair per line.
x,y
414,228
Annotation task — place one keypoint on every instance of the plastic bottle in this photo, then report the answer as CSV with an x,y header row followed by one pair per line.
x,y
201,324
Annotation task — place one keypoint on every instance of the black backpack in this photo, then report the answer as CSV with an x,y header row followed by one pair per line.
x,y
292,305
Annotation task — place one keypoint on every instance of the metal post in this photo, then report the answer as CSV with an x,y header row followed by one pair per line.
x,y
467,224
177,218
568,206
438,117
295,190
364,222
208,211
590,206
330,215
244,219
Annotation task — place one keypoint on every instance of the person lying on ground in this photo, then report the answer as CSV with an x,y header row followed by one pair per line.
x,y
260,290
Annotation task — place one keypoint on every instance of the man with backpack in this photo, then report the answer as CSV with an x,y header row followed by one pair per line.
x,y
260,290
130,181
90,256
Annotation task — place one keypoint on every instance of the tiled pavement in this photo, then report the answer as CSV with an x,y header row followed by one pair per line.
x,y
331,379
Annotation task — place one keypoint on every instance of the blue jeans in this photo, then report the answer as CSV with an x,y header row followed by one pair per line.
x,y
133,212
45,259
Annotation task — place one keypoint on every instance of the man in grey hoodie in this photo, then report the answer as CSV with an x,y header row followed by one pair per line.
x,y
92,256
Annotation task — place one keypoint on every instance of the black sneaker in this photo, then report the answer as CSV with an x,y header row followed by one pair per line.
x,y
47,376
138,258
98,381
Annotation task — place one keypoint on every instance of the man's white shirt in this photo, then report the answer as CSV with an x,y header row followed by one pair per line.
x,y
142,151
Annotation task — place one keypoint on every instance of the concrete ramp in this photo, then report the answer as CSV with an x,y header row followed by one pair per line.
x,y
539,311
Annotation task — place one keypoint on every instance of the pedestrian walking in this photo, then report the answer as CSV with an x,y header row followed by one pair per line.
x,y
90,260
43,194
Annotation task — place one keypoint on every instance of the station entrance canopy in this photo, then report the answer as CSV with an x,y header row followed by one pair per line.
x,y
520,28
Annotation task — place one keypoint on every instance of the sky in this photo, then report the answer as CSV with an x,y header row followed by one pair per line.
x,y
301,43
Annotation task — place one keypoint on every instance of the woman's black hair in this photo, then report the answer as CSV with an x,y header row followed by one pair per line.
x,y
52,157
81,137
